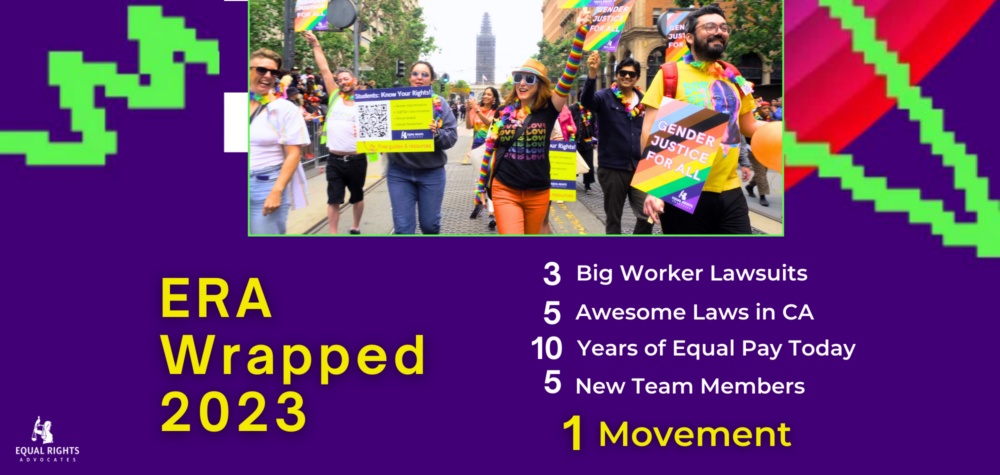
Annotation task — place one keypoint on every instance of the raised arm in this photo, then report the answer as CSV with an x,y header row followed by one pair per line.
x,y
749,124
321,63
572,63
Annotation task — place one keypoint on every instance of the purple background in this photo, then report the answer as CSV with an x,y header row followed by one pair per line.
x,y
87,249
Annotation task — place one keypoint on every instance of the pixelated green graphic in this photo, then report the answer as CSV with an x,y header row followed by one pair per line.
x,y
984,234
159,38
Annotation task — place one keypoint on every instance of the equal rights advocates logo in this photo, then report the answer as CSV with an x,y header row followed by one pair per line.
x,y
43,448
159,38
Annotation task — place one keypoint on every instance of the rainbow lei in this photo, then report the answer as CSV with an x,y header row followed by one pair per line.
x,y
438,120
345,97
586,116
507,115
718,71
638,111
263,100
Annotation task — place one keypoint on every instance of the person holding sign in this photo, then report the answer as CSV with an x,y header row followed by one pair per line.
x,y
416,179
519,141
620,115
345,167
702,80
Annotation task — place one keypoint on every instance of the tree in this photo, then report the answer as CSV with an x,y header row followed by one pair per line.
x,y
758,29
405,38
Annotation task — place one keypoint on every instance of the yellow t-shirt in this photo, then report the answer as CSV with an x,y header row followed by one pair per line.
x,y
708,90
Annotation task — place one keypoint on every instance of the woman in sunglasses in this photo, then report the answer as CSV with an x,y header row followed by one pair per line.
x,y
416,179
277,132
517,149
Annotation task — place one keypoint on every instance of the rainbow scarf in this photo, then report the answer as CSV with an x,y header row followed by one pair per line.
x,y
507,116
637,111
718,70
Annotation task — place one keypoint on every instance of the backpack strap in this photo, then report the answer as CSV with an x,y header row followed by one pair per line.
x,y
669,72
736,72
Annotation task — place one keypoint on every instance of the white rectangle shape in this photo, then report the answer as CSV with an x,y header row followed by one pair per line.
x,y
236,122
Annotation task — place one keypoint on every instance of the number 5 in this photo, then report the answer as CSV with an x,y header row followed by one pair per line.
x,y
549,309
549,378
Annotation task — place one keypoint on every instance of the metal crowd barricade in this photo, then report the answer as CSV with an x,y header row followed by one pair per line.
x,y
315,151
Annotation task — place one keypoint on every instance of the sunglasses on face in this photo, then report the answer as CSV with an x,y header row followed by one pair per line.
x,y
628,74
262,71
420,74
529,79
342,81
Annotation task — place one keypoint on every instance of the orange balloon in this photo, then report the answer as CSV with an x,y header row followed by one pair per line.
x,y
767,145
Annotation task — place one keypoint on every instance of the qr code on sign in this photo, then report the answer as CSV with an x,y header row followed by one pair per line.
x,y
374,120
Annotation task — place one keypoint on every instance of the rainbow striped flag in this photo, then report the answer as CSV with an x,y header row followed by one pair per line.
x,y
310,15
607,29
587,3
679,154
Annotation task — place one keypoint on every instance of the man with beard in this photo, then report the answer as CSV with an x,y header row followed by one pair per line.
x,y
703,80
345,167
619,114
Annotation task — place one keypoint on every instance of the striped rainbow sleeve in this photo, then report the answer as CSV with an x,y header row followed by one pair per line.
x,y
573,63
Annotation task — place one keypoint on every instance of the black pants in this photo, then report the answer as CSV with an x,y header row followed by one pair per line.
x,y
588,157
348,174
617,186
717,213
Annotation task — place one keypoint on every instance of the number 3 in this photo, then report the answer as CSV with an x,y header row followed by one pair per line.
x,y
300,418
554,273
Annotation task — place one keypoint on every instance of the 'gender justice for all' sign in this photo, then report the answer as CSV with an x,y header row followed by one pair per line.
x,y
609,16
311,15
679,153
676,45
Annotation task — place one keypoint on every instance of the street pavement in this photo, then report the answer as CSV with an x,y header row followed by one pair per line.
x,y
583,217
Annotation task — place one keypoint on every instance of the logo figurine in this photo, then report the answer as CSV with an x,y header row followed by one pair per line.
x,y
45,431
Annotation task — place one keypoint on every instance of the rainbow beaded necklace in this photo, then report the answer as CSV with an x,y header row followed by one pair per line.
x,y
586,116
718,70
507,116
263,100
633,112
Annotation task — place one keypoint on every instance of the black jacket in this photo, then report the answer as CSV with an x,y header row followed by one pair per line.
x,y
618,144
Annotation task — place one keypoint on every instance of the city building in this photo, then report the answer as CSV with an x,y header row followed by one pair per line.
x,y
486,45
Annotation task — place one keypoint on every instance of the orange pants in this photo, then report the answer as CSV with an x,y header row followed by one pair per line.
x,y
519,211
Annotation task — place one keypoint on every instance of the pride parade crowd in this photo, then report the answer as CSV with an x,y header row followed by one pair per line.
x,y
511,140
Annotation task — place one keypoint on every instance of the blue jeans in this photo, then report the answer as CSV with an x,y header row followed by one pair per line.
x,y
275,222
410,190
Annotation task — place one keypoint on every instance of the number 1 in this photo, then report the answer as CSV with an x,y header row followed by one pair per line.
x,y
574,422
